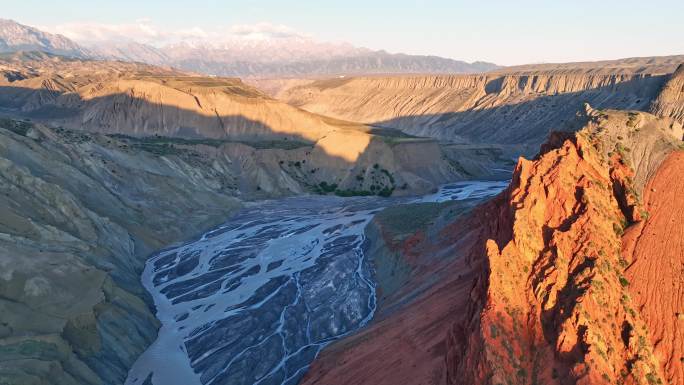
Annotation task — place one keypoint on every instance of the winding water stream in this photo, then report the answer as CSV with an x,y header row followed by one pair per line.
x,y
256,299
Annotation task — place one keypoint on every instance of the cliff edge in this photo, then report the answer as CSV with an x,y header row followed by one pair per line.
x,y
538,288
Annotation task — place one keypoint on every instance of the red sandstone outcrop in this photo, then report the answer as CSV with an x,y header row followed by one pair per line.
x,y
654,250
551,305
538,287
406,343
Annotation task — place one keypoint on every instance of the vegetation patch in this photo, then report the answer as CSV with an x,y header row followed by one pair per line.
x,y
164,145
324,187
405,219
632,119
29,349
389,176
379,178
352,193
19,127
73,136
275,144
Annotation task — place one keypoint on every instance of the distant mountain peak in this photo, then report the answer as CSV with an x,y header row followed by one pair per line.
x,y
18,37
241,55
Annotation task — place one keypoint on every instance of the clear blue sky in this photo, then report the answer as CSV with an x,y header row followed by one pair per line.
x,y
505,32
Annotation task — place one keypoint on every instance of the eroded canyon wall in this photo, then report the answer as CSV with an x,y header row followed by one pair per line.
x,y
511,108
540,289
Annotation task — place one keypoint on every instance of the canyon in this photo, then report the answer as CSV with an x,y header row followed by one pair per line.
x,y
105,162
518,106
517,226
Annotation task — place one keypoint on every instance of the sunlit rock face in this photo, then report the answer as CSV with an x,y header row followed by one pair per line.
x,y
538,285
552,303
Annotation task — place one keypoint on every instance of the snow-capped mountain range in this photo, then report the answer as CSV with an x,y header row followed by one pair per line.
x,y
18,37
289,55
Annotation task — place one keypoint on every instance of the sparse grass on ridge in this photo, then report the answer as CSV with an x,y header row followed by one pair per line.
x,y
151,142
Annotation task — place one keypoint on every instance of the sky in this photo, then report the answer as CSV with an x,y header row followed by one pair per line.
x,y
504,32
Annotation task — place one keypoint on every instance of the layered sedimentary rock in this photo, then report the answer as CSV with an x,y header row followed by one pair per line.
x,y
538,287
518,108
141,100
551,305
645,64
670,101
142,104
150,102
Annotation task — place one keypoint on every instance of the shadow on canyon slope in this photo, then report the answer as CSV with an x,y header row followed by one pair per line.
x,y
123,113
527,122
80,214
344,152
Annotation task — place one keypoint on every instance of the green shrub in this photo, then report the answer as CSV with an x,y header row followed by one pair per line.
x,y
352,193
652,379
17,126
327,188
386,192
623,281
389,176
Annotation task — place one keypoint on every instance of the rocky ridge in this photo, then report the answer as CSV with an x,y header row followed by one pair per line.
x,y
540,290
142,100
149,102
17,37
558,240
653,64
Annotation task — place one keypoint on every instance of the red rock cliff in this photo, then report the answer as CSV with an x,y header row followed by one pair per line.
x,y
551,304
538,286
